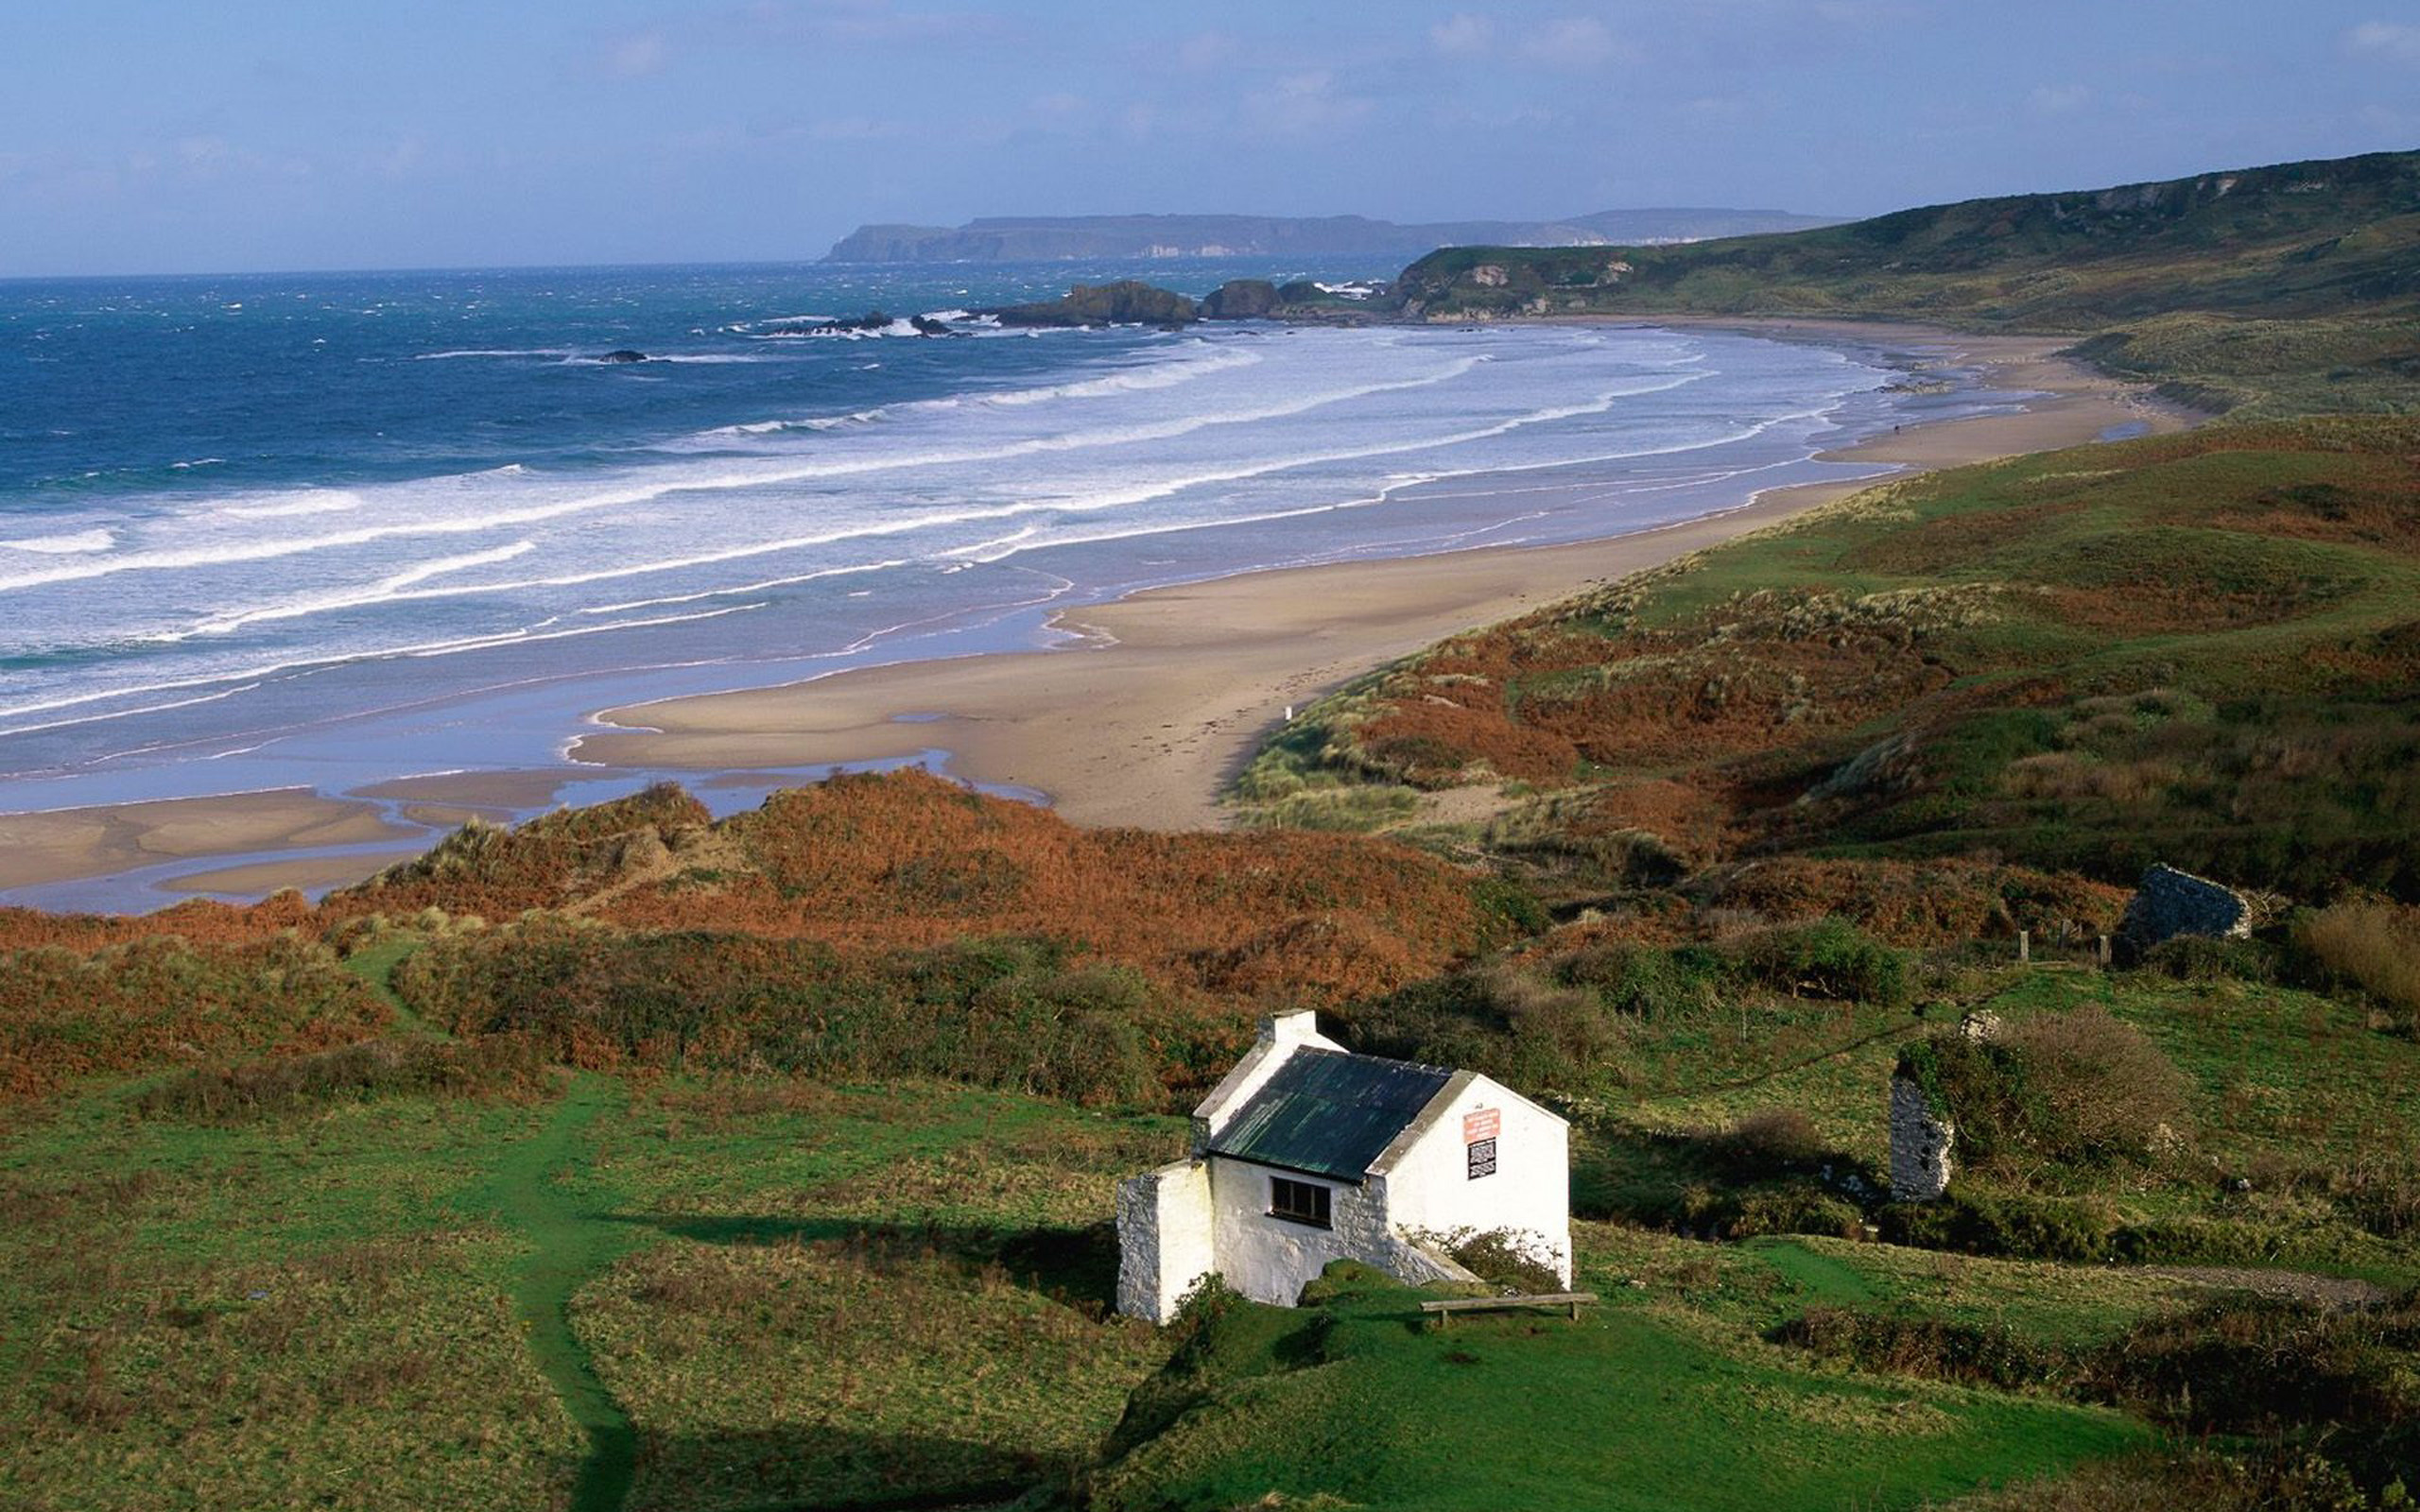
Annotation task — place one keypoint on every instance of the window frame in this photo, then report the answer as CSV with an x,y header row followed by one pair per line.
x,y
1320,1213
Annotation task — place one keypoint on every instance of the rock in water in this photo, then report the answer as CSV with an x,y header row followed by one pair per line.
x,y
1127,301
1240,298
623,354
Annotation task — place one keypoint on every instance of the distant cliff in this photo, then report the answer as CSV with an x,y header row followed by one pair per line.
x,y
1013,239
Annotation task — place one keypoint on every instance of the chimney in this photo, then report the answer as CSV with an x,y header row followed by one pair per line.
x,y
1301,1026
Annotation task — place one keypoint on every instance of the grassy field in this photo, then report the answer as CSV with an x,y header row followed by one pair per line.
x,y
664,1295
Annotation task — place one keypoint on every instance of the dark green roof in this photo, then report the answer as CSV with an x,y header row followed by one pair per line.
x,y
1328,1113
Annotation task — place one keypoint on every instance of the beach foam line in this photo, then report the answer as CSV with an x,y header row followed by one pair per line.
x,y
250,679
386,590
645,492
69,543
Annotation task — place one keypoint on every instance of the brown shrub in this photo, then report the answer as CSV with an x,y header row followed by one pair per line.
x,y
2376,946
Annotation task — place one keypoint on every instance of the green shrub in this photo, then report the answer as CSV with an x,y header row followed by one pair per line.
x,y
500,1065
1986,1355
2006,1223
1829,958
2201,958
1498,1019
1644,981
1799,1206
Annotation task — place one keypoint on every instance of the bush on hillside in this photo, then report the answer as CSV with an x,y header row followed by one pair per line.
x,y
2004,1224
502,1065
1829,958
2201,958
1014,1013
2078,1088
1646,981
158,1001
1524,1030
2373,946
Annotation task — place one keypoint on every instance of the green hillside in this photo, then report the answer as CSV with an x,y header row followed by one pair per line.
x,y
2186,280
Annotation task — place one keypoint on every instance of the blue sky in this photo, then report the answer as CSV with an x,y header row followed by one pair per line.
x,y
254,134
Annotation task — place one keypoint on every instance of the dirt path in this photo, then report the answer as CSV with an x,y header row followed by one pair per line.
x,y
2293,1285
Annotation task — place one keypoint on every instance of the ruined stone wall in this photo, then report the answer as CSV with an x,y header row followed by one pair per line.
x,y
1920,1144
2169,902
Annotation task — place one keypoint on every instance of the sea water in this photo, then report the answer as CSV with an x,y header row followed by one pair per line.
x,y
253,529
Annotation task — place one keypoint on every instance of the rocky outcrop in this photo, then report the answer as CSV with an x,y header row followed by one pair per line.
x,y
1240,298
2169,902
1127,301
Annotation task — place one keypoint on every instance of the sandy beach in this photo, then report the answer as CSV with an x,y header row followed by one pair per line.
x,y
1139,719
1143,719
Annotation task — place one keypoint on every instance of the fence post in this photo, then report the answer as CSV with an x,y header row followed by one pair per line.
x,y
2102,950
2024,946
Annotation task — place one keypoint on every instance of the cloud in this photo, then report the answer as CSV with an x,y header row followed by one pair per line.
x,y
1208,49
2058,100
635,55
862,22
1304,104
2397,42
1462,35
1574,42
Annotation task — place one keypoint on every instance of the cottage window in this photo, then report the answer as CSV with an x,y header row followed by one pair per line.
x,y
1298,1201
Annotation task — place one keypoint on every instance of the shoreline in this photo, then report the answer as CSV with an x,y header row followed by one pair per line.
x,y
1161,695
1140,718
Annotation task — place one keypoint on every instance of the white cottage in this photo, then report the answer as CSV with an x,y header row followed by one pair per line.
x,y
1307,1153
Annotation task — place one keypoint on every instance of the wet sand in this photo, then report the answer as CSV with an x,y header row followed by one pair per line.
x,y
96,842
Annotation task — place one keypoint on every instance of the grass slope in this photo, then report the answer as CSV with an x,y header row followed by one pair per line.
x,y
2291,287
1637,1406
2199,649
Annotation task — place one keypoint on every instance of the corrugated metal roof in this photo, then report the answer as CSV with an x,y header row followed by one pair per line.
x,y
1328,1113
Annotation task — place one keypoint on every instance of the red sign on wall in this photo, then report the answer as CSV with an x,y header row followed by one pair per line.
x,y
1480,1124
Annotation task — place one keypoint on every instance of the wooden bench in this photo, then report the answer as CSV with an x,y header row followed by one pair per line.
x,y
1446,1309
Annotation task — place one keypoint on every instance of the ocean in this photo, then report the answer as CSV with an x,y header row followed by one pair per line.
x,y
322,530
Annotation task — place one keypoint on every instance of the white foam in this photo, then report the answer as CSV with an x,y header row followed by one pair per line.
x,y
314,501
71,543
386,590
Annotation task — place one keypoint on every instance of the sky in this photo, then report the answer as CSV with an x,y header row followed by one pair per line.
x,y
235,135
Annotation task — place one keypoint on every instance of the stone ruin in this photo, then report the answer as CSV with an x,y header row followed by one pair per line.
x,y
2169,902
1921,1139
1920,1143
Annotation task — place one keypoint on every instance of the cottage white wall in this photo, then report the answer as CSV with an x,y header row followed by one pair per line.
x,y
1164,1244
1269,1260
1428,1188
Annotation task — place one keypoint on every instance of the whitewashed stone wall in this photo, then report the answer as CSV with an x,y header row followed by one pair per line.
x,y
1920,1144
1430,1190
1164,1245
